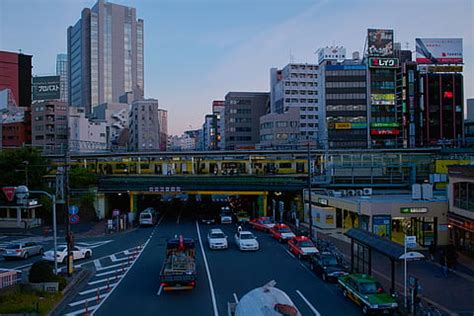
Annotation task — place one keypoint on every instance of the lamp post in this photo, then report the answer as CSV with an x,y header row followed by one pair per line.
x,y
309,193
53,199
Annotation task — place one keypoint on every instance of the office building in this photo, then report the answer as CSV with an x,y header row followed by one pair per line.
x,y
280,130
144,126
343,112
163,125
105,55
49,124
15,127
85,135
469,133
15,75
62,72
242,118
470,109
296,85
209,132
218,109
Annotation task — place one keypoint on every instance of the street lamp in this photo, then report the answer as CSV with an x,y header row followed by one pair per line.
x,y
309,193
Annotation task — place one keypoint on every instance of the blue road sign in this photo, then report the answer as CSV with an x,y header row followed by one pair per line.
x,y
73,210
74,219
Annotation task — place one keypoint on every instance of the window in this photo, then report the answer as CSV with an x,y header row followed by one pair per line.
x,y
281,124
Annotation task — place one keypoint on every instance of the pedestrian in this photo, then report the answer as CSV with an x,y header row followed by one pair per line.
x,y
239,229
444,263
451,256
432,250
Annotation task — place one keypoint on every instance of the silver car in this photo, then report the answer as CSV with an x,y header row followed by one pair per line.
x,y
22,250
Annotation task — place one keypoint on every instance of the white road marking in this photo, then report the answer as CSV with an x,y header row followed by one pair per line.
x,y
94,290
211,286
88,300
109,272
236,299
179,216
94,244
82,311
97,264
105,280
111,266
159,290
290,253
314,310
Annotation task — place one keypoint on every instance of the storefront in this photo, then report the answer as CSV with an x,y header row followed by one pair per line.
x,y
392,216
461,232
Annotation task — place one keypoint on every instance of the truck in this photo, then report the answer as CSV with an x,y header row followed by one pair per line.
x,y
179,268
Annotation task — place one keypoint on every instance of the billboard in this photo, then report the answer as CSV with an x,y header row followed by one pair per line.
x,y
46,88
439,50
379,43
383,62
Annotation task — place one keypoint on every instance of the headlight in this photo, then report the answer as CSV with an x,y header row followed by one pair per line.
x,y
374,306
394,305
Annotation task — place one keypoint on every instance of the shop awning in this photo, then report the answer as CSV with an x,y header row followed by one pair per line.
x,y
380,244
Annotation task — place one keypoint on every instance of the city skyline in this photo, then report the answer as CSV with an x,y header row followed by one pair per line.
x,y
195,63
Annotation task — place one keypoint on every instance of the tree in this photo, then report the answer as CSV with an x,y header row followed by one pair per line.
x,y
22,165
81,178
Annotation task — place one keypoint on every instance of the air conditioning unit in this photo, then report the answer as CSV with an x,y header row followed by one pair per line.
x,y
351,192
359,192
344,192
367,191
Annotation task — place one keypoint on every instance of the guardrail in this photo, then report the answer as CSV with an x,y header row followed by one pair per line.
x,y
9,277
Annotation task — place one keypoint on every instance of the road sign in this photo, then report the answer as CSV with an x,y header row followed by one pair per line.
x,y
410,241
9,193
115,212
73,210
74,219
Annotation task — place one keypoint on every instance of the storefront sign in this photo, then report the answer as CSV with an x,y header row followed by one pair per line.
x,y
164,189
444,68
329,219
411,210
343,125
381,225
384,96
385,132
359,125
385,125
383,62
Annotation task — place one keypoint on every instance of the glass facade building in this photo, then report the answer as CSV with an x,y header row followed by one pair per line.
x,y
62,72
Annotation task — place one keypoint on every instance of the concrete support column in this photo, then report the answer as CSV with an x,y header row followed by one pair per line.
x,y
133,202
100,205
18,217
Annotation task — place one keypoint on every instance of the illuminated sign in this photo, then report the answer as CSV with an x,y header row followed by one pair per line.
x,y
411,210
359,125
448,94
383,62
45,88
444,68
385,132
385,125
343,125
439,51
380,97
380,42
164,189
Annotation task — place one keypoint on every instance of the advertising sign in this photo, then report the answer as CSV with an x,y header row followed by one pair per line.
x,y
46,88
410,210
381,225
385,132
438,69
383,62
343,125
385,125
382,99
380,42
439,50
359,125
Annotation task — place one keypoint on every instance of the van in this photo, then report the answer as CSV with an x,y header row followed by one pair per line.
x,y
149,217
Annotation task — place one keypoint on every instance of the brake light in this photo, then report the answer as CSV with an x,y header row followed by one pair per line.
x,y
192,283
163,284
18,250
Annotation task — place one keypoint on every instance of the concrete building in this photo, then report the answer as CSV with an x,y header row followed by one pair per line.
x,y
15,75
387,214
461,206
116,116
49,124
242,118
62,71
209,132
163,124
218,109
86,135
296,85
280,130
343,110
15,125
144,125
470,109
105,55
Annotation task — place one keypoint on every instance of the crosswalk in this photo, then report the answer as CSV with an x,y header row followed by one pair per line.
x,y
109,270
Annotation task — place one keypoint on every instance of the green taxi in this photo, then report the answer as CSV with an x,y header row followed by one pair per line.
x,y
367,292
242,217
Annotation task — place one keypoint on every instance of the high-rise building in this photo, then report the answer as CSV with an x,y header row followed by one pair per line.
x,y
144,125
242,118
62,72
15,75
105,55
296,85
218,109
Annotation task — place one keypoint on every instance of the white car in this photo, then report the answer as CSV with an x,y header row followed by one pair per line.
x,y
226,218
61,253
217,239
245,240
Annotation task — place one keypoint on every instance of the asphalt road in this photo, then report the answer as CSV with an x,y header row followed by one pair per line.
x,y
233,274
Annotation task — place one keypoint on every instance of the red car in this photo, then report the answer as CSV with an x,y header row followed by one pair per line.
x,y
302,246
281,232
262,223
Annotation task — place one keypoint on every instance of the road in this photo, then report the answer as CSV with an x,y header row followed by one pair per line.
x,y
233,274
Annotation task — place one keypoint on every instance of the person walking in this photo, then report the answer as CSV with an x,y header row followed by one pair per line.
x,y
451,257
432,251
444,263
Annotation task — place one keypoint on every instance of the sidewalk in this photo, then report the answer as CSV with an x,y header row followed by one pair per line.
x,y
79,230
452,294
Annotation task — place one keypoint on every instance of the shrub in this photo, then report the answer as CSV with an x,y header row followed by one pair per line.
x,y
62,281
41,271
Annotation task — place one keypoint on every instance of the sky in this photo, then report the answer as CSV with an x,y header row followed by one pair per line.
x,y
198,50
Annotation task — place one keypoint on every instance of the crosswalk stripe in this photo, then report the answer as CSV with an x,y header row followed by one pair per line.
x,y
82,311
100,288
110,272
88,300
104,280
110,267
97,264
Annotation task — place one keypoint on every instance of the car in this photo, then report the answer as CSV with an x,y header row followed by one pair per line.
x,y
327,265
207,218
366,291
281,232
22,250
245,240
61,253
302,247
148,217
217,239
262,223
226,216
242,217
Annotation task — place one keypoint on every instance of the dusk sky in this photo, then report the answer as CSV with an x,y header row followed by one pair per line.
x,y
198,50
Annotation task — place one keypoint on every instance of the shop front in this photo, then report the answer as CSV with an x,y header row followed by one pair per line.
x,y
461,233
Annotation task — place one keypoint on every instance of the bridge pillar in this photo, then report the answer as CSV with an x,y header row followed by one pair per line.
x,y
133,202
262,204
100,205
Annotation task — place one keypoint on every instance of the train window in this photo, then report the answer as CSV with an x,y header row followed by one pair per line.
x,y
285,165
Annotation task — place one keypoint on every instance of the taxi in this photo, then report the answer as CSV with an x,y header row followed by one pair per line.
x,y
302,247
281,232
262,223
367,292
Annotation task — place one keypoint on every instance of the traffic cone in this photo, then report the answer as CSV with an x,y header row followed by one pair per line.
x,y
86,312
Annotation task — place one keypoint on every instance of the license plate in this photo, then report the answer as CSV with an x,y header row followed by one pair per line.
x,y
386,311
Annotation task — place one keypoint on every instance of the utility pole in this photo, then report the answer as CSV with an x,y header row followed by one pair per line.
x,y
309,193
69,236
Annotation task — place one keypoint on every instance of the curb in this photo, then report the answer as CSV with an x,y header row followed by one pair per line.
x,y
68,290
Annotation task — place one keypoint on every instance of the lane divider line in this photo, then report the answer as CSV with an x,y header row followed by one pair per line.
x,y
288,252
211,286
159,290
236,299
314,310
